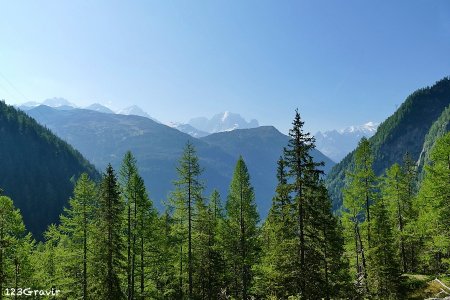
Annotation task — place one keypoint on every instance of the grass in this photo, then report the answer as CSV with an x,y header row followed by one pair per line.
x,y
417,286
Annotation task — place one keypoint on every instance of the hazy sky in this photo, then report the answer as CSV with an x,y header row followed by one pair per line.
x,y
340,62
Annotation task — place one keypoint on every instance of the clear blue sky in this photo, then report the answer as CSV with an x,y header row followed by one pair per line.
x,y
340,62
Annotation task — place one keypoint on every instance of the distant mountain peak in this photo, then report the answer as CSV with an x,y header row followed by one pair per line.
x,y
100,108
368,128
336,144
225,121
135,111
58,102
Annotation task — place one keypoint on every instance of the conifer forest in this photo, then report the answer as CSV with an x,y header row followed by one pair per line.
x,y
390,232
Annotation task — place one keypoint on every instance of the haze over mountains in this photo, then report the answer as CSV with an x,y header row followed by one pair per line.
x,y
104,138
336,144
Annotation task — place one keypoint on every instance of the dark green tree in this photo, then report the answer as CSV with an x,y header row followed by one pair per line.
x,y
109,258
383,268
241,249
302,177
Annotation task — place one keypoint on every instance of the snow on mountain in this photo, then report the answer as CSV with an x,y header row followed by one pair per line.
x,y
225,121
186,128
369,128
99,108
336,144
58,102
135,111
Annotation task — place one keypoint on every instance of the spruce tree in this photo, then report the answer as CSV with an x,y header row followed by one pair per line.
x,y
302,176
109,258
241,247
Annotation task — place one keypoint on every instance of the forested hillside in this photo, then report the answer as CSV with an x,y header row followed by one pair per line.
x,y
37,169
390,242
402,132
105,138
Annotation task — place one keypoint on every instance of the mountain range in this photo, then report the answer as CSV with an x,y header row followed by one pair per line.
x,y
104,138
412,129
336,144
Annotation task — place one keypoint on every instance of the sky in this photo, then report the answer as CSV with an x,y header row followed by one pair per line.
x,y
340,63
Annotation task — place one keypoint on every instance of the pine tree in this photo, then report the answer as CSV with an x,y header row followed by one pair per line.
x,y
302,176
276,236
208,257
127,171
76,223
109,244
397,188
241,246
12,231
433,205
188,191
359,193
383,267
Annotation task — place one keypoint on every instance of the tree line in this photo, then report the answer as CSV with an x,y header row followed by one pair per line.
x,y
111,243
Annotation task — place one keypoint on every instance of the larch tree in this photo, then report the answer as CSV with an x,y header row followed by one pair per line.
x,y
129,194
241,247
359,193
433,205
188,191
12,232
76,223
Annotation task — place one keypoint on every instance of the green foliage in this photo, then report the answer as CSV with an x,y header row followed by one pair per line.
x,y
240,232
433,205
383,267
36,168
302,246
402,132
109,245
437,130
15,247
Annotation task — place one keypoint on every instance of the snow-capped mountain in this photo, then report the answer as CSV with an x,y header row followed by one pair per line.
x,y
367,129
225,121
336,144
135,111
58,102
99,108
186,128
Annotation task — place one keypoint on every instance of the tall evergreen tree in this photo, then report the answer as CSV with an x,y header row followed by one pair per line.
x,y
12,234
397,192
241,231
188,191
76,223
433,205
302,177
109,241
383,267
276,236
129,193
359,193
